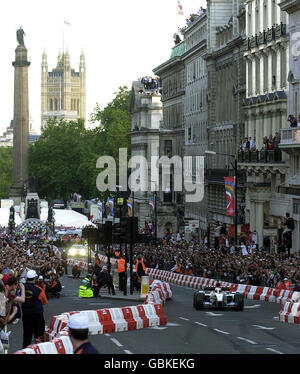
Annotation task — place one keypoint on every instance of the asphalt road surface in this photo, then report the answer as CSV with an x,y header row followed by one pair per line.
x,y
256,330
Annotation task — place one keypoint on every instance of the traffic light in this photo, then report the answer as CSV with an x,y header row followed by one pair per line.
x,y
124,230
107,232
133,229
116,237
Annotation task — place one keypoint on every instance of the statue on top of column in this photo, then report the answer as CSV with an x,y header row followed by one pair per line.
x,y
20,36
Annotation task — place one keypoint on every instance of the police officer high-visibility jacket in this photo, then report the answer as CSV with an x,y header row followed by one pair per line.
x,y
85,288
120,265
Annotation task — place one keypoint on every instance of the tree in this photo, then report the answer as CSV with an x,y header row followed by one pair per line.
x,y
6,171
55,159
64,158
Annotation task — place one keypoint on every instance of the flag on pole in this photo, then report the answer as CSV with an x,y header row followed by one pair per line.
x,y
100,208
111,205
152,202
129,206
179,8
67,23
230,195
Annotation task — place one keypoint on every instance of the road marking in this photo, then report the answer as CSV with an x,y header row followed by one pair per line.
x,y
157,328
185,319
172,324
201,324
116,342
275,317
213,314
99,303
252,306
128,352
263,327
246,340
274,350
222,332
107,334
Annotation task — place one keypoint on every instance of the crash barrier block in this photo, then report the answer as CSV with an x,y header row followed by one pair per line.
x,y
161,315
150,312
95,326
128,316
118,319
140,323
142,314
57,323
106,321
62,345
290,312
296,297
25,351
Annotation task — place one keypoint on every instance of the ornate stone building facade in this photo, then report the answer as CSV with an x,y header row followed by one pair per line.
x,y
226,89
267,60
289,190
151,138
63,90
171,73
195,108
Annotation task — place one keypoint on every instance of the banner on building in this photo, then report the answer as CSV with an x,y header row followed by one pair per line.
x,y
111,205
230,193
129,206
152,202
100,208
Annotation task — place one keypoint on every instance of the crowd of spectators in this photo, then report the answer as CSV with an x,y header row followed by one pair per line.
x,y
18,255
269,143
150,83
230,264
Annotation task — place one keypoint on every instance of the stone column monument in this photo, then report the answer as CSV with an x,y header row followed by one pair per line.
x,y
21,120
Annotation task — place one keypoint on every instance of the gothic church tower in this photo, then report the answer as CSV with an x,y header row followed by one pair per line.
x,y
63,90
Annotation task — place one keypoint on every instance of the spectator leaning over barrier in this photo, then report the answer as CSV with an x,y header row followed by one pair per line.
x,y
78,325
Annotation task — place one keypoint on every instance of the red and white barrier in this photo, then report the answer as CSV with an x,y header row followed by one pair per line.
x,y
100,322
250,292
290,312
63,345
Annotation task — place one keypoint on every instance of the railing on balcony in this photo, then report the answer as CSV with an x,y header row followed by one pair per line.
x,y
273,33
265,156
290,136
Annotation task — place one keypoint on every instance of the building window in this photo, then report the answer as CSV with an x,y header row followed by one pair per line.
x,y
51,104
55,105
168,148
296,103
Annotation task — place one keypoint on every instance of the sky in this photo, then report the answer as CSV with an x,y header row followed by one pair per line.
x,y
122,41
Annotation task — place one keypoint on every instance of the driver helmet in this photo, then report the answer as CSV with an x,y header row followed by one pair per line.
x,y
218,284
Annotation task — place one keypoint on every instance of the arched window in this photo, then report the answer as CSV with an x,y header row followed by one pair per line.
x,y
51,104
55,104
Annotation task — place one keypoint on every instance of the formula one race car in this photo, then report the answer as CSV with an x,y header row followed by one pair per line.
x,y
218,298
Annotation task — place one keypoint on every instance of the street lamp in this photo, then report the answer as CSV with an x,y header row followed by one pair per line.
x,y
235,190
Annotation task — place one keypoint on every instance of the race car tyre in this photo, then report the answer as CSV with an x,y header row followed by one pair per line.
x,y
239,301
199,300
194,299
